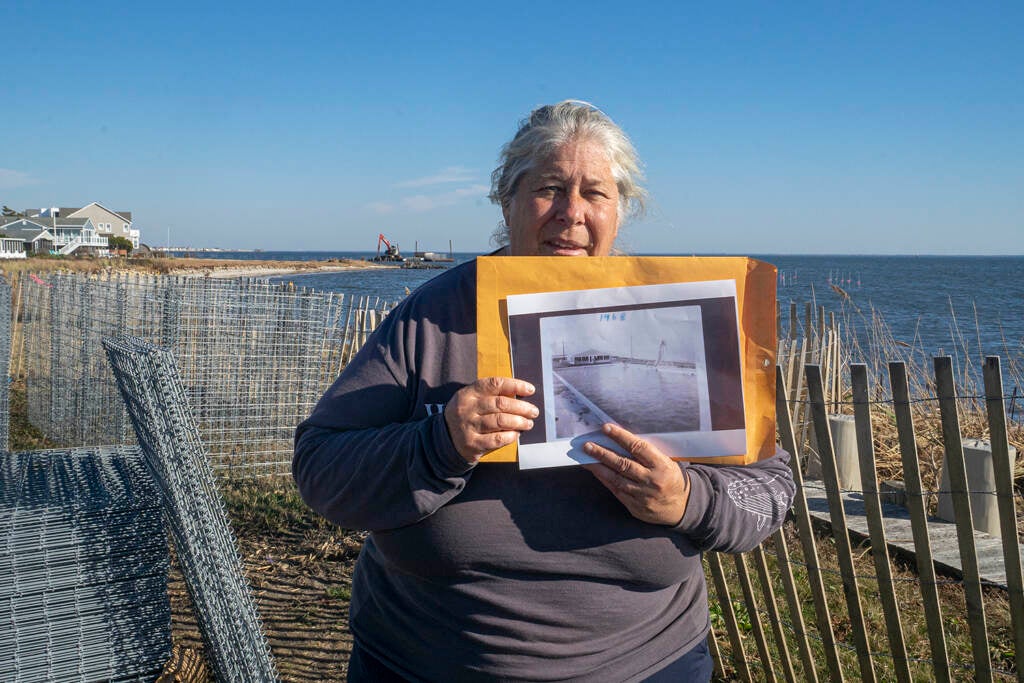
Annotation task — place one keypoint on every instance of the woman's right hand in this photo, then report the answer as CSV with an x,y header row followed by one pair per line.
x,y
486,415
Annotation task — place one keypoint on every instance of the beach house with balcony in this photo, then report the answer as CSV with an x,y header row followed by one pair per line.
x,y
107,223
52,235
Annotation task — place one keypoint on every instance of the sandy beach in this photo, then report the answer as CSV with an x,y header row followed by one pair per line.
x,y
270,269
194,267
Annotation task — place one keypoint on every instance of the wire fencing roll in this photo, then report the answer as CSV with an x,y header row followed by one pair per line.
x,y
83,567
148,379
5,361
254,357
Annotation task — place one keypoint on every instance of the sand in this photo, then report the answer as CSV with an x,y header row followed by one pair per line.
x,y
269,271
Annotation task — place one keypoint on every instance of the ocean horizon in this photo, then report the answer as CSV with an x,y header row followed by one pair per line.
x,y
958,305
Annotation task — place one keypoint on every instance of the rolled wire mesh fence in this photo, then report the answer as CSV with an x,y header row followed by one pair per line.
x,y
254,357
83,567
5,359
160,413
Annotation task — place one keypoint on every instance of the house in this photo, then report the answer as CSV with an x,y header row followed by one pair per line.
x,y
22,236
11,247
107,223
54,235
590,357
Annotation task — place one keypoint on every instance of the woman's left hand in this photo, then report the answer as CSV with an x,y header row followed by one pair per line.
x,y
652,486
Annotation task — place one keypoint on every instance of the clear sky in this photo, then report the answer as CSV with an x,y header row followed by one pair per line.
x,y
764,127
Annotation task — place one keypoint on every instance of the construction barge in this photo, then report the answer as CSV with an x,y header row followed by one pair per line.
x,y
388,252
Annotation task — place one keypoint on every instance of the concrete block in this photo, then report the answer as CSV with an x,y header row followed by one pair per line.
x,y
844,442
981,483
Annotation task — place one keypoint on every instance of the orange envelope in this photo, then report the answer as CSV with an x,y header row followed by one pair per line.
x,y
499,277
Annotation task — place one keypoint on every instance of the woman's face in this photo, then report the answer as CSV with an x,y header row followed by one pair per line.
x,y
568,205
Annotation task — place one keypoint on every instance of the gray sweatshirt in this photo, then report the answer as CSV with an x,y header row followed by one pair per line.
x,y
491,573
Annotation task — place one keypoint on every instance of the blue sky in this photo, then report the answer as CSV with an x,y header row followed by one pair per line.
x,y
764,128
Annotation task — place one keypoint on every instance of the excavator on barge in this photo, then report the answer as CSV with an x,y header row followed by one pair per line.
x,y
391,254
420,259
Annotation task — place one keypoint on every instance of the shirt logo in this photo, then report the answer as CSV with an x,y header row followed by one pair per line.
x,y
759,496
434,408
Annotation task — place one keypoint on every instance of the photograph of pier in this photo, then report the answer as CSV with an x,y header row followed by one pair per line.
x,y
662,361
643,369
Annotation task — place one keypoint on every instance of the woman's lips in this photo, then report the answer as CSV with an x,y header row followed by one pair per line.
x,y
565,248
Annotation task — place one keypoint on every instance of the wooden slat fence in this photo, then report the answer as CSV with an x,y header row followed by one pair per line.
x,y
833,604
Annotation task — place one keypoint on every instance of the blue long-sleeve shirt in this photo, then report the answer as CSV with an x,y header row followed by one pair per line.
x,y
489,572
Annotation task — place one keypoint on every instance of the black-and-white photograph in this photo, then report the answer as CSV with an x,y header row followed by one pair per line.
x,y
605,365
638,357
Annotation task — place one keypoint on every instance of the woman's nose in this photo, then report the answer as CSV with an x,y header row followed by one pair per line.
x,y
573,208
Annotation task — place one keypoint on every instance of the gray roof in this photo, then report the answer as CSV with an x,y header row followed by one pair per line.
x,y
127,215
25,234
68,210
8,220
590,352
44,212
47,222
76,222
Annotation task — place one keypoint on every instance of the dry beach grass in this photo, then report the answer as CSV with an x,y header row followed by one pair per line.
x,y
164,265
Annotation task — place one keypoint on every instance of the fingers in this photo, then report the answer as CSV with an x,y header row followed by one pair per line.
x,y
504,386
511,406
487,415
614,463
651,486
615,482
639,449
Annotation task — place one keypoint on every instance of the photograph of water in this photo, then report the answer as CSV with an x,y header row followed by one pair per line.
x,y
621,393
637,356
642,368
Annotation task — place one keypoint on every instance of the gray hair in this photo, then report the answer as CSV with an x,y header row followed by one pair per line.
x,y
553,125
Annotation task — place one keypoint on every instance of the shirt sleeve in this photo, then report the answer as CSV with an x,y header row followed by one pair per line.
x,y
734,508
361,460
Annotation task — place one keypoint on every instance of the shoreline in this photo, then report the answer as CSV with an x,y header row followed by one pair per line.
x,y
268,271
187,267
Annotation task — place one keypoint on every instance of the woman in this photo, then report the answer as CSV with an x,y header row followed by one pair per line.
x,y
481,573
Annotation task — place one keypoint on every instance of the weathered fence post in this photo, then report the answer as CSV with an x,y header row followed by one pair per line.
x,y
739,656
806,533
747,588
844,443
772,608
795,604
919,520
964,528
844,551
873,510
1003,465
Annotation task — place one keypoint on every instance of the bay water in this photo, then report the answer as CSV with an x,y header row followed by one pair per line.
x,y
958,305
